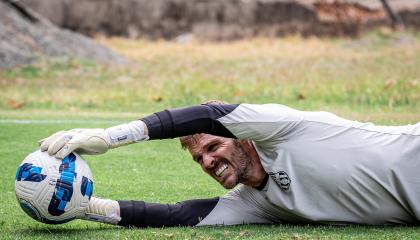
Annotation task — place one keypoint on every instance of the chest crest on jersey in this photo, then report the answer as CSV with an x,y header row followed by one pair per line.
x,y
281,178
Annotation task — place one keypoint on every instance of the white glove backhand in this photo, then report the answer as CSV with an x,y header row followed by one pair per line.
x,y
82,141
93,141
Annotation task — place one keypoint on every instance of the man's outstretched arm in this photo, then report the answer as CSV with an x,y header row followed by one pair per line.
x,y
244,121
257,122
180,122
143,214
186,213
243,205
166,124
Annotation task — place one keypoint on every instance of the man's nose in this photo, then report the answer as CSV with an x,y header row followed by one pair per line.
x,y
208,161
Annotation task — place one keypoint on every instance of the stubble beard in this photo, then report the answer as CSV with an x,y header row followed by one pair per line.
x,y
244,163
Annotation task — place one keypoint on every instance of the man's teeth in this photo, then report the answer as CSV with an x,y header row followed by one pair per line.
x,y
220,171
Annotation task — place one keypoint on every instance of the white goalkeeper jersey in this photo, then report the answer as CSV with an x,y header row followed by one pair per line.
x,y
323,169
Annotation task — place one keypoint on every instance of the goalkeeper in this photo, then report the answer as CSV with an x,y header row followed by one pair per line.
x,y
283,166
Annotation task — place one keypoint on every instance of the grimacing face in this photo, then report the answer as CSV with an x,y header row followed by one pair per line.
x,y
224,159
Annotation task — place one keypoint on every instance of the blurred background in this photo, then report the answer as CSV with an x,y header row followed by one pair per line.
x,y
141,56
96,63
226,19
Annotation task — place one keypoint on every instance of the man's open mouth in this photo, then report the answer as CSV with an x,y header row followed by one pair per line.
x,y
221,170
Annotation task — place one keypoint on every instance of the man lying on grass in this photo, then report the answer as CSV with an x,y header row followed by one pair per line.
x,y
287,165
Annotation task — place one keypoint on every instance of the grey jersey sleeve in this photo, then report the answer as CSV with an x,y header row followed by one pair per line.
x,y
261,123
242,205
244,121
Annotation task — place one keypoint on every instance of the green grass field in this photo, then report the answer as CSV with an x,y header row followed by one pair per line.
x,y
152,171
376,78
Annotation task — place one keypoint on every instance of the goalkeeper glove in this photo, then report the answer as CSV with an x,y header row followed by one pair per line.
x,y
93,141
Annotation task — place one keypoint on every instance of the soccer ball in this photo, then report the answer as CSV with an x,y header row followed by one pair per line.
x,y
53,191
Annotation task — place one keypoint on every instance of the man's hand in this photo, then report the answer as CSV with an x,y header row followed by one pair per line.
x,y
93,141
82,141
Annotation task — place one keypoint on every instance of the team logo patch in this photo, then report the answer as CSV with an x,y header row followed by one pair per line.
x,y
282,179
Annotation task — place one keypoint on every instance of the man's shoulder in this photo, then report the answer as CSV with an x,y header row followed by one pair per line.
x,y
242,191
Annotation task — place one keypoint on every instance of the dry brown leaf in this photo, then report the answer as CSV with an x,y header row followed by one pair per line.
x,y
237,94
157,98
14,104
301,96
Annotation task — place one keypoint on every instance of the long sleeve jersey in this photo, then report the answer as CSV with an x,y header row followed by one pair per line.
x,y
322,168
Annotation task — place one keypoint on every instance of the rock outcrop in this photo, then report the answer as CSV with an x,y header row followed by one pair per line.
x,y
26,37
223,19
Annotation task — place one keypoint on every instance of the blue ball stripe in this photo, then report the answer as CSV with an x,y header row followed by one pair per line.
x,y
28,172
87,187
64,186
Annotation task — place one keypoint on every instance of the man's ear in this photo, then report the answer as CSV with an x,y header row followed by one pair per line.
x,y
247,146
249,149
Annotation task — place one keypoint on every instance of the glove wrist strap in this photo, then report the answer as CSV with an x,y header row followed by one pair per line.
x,y
127,133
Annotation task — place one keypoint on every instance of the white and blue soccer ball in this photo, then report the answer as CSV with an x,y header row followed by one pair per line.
x,y
53,191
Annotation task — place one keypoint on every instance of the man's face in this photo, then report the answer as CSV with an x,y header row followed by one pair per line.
x,y
222,158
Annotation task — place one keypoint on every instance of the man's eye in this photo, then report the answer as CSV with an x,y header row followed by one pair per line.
x,y
212,147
